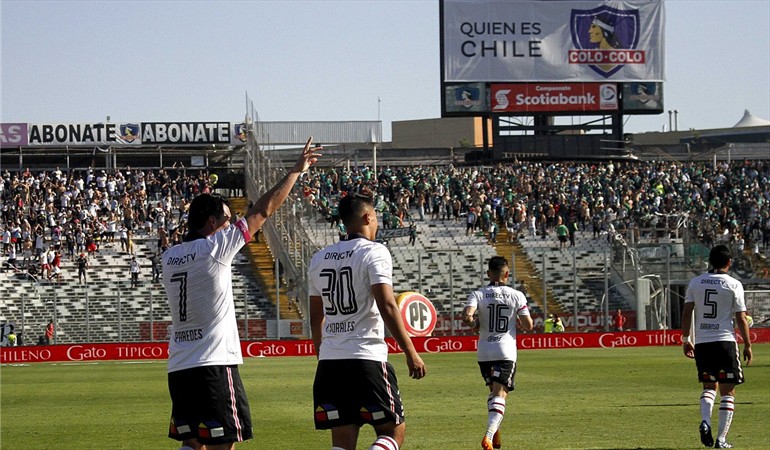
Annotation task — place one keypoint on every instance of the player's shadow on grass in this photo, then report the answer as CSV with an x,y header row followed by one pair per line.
x,y
658,405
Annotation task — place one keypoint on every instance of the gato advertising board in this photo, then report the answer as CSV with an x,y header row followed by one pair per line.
x,y
536,40
131,351
554,97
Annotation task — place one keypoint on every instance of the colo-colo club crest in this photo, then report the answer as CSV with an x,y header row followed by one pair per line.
x,y
605,39
129,132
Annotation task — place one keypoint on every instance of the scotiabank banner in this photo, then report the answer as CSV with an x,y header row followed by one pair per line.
x,y
554,97
158,351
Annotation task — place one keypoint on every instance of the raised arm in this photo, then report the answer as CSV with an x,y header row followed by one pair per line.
x,y
271,200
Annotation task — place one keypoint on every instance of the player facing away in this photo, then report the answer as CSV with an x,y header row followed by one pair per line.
x,y
499,308
716,298
209,408
351,303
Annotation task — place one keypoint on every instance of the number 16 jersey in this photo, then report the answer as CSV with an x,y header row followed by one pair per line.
x,y
498,307
343,274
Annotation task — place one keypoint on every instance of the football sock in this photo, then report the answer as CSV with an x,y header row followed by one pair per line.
x,y
726,408
707,404
384,443
496,407
337,448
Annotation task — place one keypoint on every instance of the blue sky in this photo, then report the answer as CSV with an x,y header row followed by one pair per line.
x,y
81,61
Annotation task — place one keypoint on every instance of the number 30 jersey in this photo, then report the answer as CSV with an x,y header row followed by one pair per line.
x,y
343,274
717,297
197,277
498,306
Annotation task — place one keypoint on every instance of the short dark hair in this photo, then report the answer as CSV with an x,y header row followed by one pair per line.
x,y
352,206
496,263
204,206
719,256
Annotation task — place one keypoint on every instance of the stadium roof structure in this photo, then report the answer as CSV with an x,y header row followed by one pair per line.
x,y
750,120
340,132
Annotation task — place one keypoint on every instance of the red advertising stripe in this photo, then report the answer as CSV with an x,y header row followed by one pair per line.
x,y
554,97
435,344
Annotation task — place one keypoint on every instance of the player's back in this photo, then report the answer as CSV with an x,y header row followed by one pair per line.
x,y
498,306
197,277
342,274
717,297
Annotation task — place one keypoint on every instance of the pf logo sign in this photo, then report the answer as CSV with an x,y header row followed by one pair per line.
x,y
418,313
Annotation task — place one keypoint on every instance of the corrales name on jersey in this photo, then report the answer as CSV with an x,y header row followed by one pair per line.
x,y
338,255
188,335
180,260
340,327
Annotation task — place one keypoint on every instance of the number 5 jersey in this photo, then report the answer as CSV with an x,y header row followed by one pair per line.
x,y
717,297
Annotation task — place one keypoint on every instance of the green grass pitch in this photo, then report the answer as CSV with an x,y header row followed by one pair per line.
x,y
629,398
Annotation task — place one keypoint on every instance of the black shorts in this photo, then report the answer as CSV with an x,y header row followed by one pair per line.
x,y
562,238
718,362
209,404
355,391
502,371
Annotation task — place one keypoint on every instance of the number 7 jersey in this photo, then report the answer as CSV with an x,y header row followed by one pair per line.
x,y
717,297
498,306
343,274
197,277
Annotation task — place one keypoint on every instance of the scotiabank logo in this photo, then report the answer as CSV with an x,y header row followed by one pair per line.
x,y
544,97
605,39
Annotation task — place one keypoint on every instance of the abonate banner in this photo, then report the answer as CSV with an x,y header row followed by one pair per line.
x,y
555,40
122,134
159,350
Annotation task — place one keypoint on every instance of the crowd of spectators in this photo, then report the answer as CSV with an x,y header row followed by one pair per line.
x,y
51,216
728,202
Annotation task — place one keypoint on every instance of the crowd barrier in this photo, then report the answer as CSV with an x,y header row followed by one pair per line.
x,y
268,348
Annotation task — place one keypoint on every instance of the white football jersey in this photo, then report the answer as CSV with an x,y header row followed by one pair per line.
x,y
498,306
342,274
717,297
197,277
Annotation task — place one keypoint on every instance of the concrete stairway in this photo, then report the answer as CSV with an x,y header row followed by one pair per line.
x,y
527,273
263,264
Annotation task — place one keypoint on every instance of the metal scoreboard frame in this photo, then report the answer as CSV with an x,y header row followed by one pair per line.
x,y
504,59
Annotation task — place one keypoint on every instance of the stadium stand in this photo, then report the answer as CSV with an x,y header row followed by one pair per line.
x,y
729,203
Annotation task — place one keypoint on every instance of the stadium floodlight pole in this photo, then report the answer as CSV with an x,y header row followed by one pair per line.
x,y
452,291
513,269
667,296
606,290
545,291
277,299
574,290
